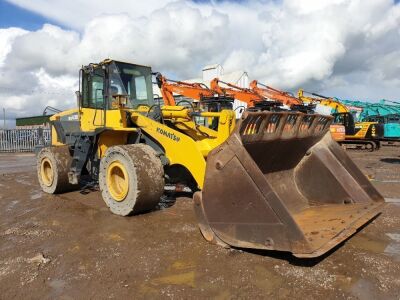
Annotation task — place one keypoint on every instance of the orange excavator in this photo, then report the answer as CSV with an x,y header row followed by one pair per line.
x,y
338,131
203,97
285,98
254,101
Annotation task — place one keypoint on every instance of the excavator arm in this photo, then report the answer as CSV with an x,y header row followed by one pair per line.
x,y
336,106
274,94
285,98
168,87
238,93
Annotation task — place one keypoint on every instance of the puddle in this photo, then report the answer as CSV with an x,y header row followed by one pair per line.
x,y
11,205
113,237
363,289
57,286
179,273
386,181
392,200
184,228
182,265
393,249
394,236
224,295
266,280
371,245
92,212
22,181
36,195
390,246
177,279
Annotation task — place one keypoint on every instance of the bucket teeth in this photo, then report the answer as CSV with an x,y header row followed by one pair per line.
x,y
269,126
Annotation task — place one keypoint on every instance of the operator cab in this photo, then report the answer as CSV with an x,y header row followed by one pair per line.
x,y
346,119
113,84
392,118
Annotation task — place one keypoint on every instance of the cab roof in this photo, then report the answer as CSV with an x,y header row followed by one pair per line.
x,y
108,61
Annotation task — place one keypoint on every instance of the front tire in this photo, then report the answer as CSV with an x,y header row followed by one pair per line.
x,y
52,165
131,179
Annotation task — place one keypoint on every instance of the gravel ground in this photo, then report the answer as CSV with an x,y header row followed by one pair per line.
x,y
71,247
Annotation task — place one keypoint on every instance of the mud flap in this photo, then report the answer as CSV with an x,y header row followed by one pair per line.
x,y
280,182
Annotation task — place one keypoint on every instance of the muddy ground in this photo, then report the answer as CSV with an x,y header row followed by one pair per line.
x,y
71,247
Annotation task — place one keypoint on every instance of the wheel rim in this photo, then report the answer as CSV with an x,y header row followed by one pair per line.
x,y
117,181
46,172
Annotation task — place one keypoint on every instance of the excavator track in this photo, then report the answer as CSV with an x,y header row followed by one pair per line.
x,y
360,145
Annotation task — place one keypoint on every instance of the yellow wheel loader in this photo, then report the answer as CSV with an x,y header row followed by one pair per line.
x,y
274,180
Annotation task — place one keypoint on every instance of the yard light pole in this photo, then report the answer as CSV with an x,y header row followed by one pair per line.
x,y
4,118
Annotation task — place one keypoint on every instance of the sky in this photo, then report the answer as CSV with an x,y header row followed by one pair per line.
x,y
344,48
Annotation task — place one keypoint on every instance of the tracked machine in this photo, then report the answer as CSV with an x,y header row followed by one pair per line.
x,y
381,112
359,135
274,180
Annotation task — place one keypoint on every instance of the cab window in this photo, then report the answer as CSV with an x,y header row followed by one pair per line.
x,y
339,119
93,89
134,81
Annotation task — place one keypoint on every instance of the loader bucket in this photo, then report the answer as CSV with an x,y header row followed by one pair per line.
x,y
280,182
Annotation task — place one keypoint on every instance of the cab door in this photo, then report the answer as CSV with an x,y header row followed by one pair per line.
x,y
92,113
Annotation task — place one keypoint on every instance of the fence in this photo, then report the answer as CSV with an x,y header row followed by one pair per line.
x,y
23,140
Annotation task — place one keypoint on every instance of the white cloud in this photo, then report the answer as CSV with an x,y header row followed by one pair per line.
x,y
345,48
7,37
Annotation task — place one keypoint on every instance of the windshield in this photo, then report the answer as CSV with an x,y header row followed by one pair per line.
x,y
393,119
378,119
131,80
338,119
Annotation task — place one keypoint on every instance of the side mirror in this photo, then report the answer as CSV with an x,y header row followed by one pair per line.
x,y
78,98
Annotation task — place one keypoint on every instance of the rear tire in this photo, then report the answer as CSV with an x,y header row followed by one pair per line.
x,y
131,179
52,165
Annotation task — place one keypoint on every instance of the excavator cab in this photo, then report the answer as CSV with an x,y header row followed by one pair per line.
x,y
266,106
366,130
216,103
347,120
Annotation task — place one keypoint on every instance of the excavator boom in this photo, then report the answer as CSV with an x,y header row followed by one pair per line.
x,y
168,87
274,94
252,99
